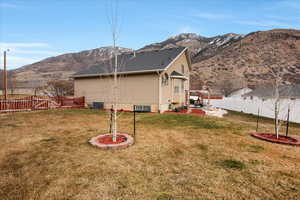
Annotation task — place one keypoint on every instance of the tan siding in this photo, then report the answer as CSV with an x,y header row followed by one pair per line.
x,y
168,90
139,89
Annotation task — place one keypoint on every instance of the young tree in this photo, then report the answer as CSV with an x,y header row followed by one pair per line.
x,y
59,88
114,25
274,65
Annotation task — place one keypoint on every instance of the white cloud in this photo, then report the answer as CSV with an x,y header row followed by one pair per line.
x,y
4,45
41,52
263,23
211,16
16,61
21,54
185,29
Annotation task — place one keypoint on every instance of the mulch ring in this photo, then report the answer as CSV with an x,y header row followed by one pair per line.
x,y
280,140
185,111
106,142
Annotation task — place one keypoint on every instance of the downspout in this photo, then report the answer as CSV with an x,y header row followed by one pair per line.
x,y
172,91
159,92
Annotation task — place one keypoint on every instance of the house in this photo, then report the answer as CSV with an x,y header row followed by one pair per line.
x,y
155,81
262,100
203,97
238,93
289,92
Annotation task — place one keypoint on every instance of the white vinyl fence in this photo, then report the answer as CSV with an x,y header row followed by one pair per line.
x,y
266,107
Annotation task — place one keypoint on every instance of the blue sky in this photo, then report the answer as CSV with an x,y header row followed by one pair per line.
x,y
37,29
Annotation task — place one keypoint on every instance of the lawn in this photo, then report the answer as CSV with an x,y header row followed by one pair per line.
x,y
46,155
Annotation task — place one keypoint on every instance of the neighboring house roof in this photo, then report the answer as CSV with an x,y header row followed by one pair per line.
x,y
285,91
239,92
147,61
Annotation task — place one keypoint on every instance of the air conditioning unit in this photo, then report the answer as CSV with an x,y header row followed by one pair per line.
x,y
142,108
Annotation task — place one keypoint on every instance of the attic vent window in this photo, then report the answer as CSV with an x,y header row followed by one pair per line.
x,y
182,69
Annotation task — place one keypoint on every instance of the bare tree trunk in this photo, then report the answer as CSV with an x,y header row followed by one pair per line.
x,y
277,108
115,97
208,102
114,31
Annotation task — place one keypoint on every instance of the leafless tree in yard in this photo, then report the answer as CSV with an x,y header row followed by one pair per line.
x,y
113,19
58,88
274,65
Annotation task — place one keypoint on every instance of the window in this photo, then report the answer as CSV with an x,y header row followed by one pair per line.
x,y
176,89
182,85
182,69
165,79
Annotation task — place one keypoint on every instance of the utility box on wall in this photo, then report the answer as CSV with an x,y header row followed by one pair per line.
x,y
142,108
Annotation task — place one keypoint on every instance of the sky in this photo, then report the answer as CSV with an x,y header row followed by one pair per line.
x,y
33,30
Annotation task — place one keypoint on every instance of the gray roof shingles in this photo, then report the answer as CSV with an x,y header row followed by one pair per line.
x,y
142,61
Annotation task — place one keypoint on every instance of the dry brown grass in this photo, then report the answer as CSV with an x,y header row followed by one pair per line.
x,y
45,155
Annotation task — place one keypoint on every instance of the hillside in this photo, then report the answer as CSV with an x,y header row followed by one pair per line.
x,y
245,61
61,67
230,59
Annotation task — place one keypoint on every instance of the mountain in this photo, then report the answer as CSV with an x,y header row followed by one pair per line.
x,y
246,61
199,46
230,59
62,67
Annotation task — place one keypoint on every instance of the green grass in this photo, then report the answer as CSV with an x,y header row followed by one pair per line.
x,y
175,157
181,120
164,196
232,164
253,118
47,140
255,148
202,147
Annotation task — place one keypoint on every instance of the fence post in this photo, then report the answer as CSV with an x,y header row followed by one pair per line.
x,y
111,118
257,120
287,123
134,138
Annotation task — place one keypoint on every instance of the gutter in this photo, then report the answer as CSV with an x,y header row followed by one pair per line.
x,y
109,74
179,77
159,91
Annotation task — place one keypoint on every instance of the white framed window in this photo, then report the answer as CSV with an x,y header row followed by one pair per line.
x,y
182,69
176,89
